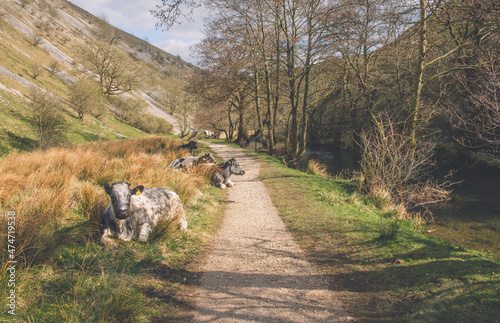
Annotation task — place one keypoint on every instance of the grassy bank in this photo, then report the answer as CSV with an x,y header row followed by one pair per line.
x,y
384,268
62,273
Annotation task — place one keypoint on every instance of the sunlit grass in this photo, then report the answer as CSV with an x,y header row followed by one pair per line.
x,y
383,270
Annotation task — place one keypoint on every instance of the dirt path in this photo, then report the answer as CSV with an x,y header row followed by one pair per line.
x,y
255,271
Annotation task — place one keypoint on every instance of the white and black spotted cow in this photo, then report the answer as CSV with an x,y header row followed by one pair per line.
x,y
186,162
220,177
134,212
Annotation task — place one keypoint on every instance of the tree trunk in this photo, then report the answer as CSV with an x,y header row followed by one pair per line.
x,y
415,103
307,71
242,135
291,71
257,99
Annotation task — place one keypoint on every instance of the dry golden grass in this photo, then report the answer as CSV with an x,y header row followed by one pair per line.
x,y
314,167
63,187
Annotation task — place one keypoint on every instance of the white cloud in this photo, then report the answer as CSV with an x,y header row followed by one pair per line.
x,y
127,14
178,47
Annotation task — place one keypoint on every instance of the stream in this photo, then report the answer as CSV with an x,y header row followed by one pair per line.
x,y
471,219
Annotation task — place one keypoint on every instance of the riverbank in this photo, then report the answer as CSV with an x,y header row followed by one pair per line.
x,y
384,270
470,219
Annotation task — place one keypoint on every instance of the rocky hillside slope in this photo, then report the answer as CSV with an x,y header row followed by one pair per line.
x,y
47,46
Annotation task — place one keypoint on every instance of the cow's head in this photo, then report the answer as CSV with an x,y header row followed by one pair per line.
x,y
207,158
120,194
235,167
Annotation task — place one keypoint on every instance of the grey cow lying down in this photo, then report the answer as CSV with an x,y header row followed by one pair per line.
x,y
220,177
134,212
186,162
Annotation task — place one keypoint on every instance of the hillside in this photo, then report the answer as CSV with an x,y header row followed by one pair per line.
x,y
45,47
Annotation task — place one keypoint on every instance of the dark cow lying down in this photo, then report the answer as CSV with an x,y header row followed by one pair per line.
x,y
133,212
186,162
223,171
190,145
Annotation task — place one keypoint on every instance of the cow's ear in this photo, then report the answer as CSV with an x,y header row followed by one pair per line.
x,y
107,188
138,190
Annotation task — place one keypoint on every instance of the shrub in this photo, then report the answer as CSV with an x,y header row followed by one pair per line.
x,y
47,119
164,228
388,230
86,97
396,169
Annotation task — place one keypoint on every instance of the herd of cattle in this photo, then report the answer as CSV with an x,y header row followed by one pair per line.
x,y
133,212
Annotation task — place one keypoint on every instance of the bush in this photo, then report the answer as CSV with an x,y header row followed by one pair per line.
x,y
396,169
47,119
388,230
86,97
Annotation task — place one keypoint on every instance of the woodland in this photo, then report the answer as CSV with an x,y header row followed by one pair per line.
x,y
350,73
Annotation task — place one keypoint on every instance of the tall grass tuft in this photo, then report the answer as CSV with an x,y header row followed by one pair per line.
x,y
314,167
388,230
164,228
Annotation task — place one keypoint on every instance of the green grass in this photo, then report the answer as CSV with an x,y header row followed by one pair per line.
x,y
16,133
382,268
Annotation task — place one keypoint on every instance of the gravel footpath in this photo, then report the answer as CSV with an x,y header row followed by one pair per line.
x,y
255,270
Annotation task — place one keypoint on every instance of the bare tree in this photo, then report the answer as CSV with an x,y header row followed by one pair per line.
x,y
115,72
85,98
184,106
479,122
35,70
379,55
228,80
36,39
54,67
168,11
24,3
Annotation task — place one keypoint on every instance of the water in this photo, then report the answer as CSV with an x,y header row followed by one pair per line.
x,y
471,219
335,160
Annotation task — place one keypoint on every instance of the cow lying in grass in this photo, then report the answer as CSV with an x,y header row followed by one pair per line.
x,y
186,162
190,145
220,177
134,212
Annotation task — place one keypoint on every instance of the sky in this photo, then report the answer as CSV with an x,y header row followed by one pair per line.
x,y
133,16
